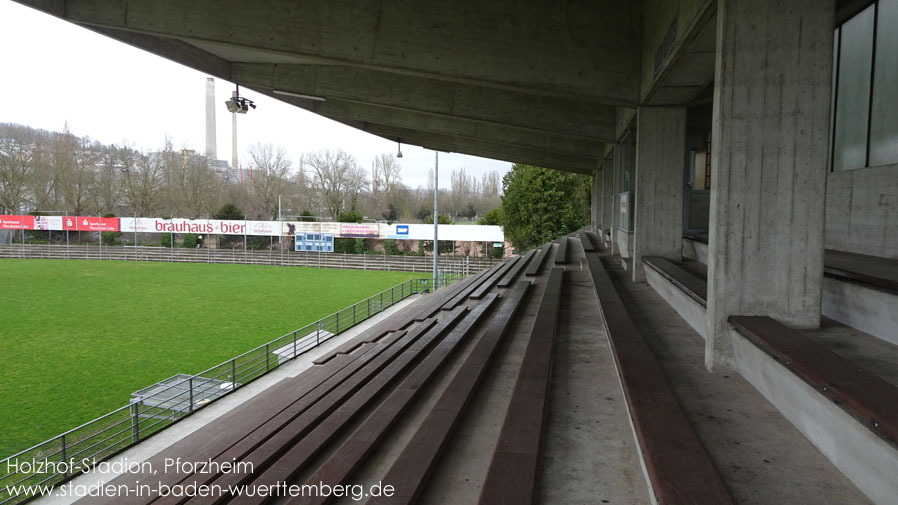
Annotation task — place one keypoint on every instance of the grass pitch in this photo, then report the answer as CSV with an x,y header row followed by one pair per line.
x,y
78,337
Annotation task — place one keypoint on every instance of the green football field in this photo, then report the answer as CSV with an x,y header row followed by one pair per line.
x,y
78,337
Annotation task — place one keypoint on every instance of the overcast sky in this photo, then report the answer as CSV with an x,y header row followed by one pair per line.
x,y
56,73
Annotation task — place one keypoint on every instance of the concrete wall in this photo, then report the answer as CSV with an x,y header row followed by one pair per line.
x,y
862,307
862,211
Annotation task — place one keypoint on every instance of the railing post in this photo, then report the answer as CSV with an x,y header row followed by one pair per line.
x,y
62,452
135,422
318,334
233,374
191,394
294,344
267,358
338,324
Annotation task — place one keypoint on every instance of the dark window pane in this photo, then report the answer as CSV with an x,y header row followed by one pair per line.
x,y
884,123
853,102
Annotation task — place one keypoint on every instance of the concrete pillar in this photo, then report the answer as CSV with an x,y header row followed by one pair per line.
x,y
608,196
596,198
768,164
660,159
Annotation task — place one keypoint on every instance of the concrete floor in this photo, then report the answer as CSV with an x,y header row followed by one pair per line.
x,y
762,458
590,451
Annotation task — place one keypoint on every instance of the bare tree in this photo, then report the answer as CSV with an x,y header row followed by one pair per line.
x,y
80,158
144,177
386,177
271,173
16,160
200,187
337,179
108,181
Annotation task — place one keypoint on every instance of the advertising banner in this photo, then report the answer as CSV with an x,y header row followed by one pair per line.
x,y
53,223
90,223
199,226
457,232
293,227
355,230
16,222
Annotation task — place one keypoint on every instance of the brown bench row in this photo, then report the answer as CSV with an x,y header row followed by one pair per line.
x,y
864,395
514,469
412,313
678,465
694,287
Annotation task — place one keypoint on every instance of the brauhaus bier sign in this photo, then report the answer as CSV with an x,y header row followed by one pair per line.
x,y
263,228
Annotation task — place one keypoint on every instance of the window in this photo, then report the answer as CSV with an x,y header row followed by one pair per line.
x,y
865,124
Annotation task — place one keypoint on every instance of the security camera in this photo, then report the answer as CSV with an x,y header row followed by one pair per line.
x,y
239,105
234,106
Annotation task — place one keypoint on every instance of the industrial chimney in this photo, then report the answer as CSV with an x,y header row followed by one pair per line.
x,y
210,119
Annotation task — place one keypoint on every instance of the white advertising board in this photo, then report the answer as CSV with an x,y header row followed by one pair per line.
x,y
200,226
457,232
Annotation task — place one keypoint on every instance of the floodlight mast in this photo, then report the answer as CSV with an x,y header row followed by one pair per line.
x,y
436,220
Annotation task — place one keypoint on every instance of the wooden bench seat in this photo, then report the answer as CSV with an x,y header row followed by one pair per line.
x,y
400,320
695,287
340,466
881,273
463,295
491,281
867,397
512,273
561,257
586,242
410,471
514,469
265,446
678,465
536,266
285,397
296,456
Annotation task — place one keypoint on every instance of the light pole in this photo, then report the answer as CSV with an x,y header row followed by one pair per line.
x,y
436,220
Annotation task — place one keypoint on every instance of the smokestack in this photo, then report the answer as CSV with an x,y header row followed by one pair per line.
x,y
210,119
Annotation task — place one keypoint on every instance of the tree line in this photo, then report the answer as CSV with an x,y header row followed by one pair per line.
x,y
56,172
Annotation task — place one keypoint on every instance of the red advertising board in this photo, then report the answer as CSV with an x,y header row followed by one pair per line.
x,y
90,223
16,222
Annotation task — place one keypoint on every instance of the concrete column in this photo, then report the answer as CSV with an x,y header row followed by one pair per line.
x,y
768,164
596,198
660,157
608,195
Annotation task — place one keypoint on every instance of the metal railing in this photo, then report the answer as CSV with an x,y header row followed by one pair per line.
x,y
157,407
273,257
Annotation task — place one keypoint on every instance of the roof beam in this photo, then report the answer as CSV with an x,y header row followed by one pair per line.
x,y
476,147
513,137
576,119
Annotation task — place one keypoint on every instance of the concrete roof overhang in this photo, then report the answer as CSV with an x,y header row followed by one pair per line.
x,y
532,82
